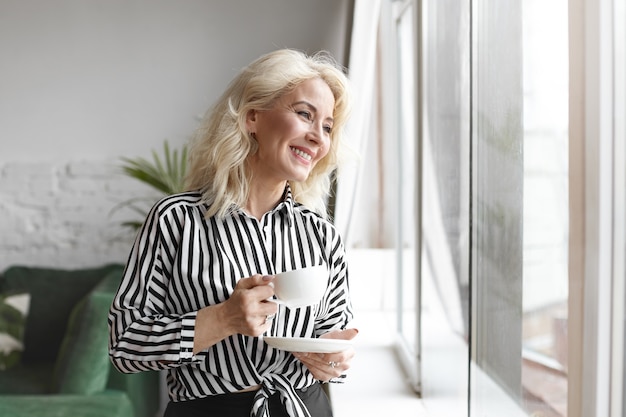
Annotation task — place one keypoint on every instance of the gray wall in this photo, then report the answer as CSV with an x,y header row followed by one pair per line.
x,y
94,78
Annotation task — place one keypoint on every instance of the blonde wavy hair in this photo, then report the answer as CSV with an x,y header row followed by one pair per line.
x,y
220,146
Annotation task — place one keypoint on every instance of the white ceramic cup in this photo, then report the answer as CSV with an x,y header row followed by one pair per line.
x,y
301,287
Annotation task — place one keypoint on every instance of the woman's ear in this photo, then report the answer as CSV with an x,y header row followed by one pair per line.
x,y
251,120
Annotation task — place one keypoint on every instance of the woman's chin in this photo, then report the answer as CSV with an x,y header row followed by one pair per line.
x,y
300,175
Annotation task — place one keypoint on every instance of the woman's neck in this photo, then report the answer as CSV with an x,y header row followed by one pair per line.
x,y
263,198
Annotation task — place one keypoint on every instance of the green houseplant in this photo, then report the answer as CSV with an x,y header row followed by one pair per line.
x,y
165,173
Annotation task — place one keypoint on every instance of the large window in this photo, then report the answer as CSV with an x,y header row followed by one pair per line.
x,y
492,206
512,114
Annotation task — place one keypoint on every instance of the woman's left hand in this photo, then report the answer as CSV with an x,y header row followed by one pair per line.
x,y
326,366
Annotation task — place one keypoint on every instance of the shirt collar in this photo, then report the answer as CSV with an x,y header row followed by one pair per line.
x,y
288,204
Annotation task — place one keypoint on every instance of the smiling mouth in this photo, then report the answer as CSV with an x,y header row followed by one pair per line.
x,y
301,154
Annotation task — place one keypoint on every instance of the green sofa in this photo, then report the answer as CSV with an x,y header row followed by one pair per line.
x,y
65,369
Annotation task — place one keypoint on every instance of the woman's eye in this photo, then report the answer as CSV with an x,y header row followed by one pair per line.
x,y
328,129
305,114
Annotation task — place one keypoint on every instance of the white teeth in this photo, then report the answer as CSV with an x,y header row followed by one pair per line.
x,y
302,154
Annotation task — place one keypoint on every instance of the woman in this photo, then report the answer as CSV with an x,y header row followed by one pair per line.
x,y
194,296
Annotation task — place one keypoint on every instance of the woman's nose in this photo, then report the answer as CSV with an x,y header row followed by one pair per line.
x,y
316,132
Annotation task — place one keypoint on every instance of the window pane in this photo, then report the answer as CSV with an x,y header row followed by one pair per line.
x,y
497,203
520,209
545,289
445,205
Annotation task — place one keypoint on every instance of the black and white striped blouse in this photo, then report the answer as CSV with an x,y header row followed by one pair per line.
x,y
181,262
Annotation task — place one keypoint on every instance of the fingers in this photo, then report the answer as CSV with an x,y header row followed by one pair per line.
x,y
326,366
322,371
269,318
259,317
254,290
249,312
347,334
254,281
324,359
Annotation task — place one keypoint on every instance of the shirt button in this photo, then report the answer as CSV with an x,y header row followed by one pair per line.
x,y
304,389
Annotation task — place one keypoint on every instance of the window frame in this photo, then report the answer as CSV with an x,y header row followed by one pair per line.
x,y
597,204
410,357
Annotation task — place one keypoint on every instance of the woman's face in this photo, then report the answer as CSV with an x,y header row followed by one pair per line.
x,y
295,134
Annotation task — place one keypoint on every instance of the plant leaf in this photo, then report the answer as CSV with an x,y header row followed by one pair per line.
x,y
165,173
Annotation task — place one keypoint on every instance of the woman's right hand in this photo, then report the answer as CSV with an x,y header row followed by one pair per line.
x,y
247,309
245,312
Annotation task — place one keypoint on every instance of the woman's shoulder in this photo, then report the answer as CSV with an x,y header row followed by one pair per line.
x,y
311,216
318,227
176,201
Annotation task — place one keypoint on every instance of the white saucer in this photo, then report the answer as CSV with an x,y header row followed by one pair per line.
x,y
304,344
297,303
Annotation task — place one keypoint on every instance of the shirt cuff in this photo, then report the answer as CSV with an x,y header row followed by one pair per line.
x,y
187,331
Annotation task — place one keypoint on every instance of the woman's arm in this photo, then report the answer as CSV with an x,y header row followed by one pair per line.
x,y
144,334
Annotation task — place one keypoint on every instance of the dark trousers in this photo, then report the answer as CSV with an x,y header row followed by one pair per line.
x,y
240,405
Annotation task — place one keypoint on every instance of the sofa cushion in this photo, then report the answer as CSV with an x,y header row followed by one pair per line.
x,y
54,293
83,364
13,313
106,404
143,389
25,379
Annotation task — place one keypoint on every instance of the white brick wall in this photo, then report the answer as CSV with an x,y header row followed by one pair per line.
x,y
61,213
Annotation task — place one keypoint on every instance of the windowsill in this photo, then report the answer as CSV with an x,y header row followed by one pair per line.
x,y
376,383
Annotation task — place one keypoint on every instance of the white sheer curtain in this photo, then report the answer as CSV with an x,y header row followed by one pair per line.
x,y
362,64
